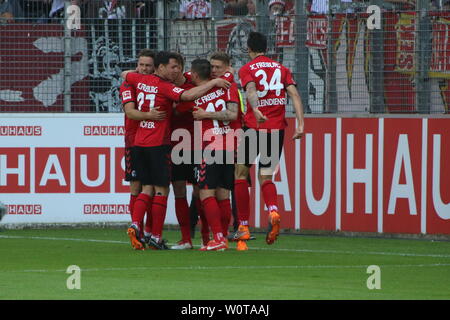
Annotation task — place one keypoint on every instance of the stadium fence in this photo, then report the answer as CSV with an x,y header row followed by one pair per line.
x,y
393,57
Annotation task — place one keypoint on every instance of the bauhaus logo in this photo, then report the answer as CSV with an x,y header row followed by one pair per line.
x,y
62,170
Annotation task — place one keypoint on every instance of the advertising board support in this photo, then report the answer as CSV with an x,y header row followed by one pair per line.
x,y
376,67
423,57
67,60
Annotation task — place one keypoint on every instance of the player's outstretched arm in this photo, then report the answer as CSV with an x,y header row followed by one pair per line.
x,y
198,91
124,73
229,114
252,98
298,107
134,114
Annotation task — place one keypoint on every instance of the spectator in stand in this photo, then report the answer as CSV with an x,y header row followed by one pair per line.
x,y
276,7
35,10
6,12
319,6
195,9
145,9
402,1
322,6
239,7
57,8
401,5
13,5
251,6
111,9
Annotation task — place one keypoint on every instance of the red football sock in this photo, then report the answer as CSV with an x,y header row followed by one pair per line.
x,y
140,206
242,200
148,220
131,204
269,192
225,218
213,214
182,212
159,209
205,227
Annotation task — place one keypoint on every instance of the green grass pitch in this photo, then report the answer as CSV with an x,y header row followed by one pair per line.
x,y
33,265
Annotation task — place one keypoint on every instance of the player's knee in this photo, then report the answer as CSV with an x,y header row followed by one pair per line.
x,y
179,189
161,191
264,176
206,193
241,172
135,187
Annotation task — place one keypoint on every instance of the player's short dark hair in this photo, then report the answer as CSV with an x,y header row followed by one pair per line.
x,y
202,67
146,53
163,57
221,56
257,42
180,59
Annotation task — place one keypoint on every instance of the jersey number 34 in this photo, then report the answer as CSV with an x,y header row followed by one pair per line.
x,y
274,83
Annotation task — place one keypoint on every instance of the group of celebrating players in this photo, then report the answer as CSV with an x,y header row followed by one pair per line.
x,y
191,128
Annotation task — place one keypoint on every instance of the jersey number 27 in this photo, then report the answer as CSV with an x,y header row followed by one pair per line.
x,y
142,97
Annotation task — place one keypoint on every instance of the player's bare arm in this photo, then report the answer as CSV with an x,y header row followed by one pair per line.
x,y
198,91
229,114
298,107
124,73
134,114
252,98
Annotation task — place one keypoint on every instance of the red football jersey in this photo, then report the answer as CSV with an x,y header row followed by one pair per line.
x,y
127,94
235,124
183,120
214,100
153,91
271,79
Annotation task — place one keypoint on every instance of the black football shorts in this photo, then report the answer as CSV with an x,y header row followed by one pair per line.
x,y
154,166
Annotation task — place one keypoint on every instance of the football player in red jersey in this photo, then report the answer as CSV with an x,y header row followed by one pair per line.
x,y
145,65
266,83
215,174
183,173
221,67
152,141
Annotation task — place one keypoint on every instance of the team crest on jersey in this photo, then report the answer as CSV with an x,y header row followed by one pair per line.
x,y
178,90
126,95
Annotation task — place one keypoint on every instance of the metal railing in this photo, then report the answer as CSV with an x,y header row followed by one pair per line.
x,y
341,63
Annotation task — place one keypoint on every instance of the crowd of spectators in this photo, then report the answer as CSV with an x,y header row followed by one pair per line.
x,y
48,11
200,9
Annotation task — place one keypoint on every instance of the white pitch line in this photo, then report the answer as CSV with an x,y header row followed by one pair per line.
x,y
193,268
63,239
403,254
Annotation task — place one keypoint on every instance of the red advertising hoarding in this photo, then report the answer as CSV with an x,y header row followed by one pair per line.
x,y
383,175
359,172
318,174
